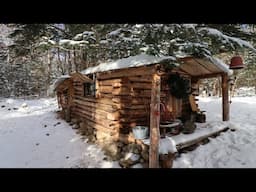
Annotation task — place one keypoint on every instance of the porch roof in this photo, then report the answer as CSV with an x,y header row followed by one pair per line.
x,y
203,66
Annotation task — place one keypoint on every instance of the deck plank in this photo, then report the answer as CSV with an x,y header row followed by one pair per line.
x,y
203,131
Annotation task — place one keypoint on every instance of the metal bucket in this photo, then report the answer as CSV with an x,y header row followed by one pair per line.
x,y
140,132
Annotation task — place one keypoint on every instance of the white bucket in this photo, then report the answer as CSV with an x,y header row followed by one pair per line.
x,y
140,132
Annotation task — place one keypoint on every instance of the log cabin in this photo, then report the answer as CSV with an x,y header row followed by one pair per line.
x,y
112,98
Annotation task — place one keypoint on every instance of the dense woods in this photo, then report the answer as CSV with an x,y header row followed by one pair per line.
x,y
32,56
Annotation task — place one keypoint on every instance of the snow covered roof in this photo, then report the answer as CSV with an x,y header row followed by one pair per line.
x,y
144,59
60,80
193,66
220,64
134,61
203,66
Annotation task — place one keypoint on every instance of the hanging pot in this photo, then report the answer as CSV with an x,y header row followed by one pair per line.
x,y
236,63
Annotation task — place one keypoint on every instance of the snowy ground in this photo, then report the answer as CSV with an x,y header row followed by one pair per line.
x,y
32,137
230,149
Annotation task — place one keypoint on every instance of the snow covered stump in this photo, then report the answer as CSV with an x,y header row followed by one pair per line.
x,y
166,160
167,150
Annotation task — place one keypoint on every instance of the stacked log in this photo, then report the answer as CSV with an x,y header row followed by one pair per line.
x,y
122,102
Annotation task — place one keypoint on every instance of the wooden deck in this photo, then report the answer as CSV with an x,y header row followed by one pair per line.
x,y
194,140
203,131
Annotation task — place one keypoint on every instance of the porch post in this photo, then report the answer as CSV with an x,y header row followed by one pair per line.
x,y
225,101
154,122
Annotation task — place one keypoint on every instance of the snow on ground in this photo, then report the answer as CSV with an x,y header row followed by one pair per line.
x,y
245,91
32,137
231,149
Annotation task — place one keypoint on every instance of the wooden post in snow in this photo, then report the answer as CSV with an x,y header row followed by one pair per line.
x,y
225,101
154,122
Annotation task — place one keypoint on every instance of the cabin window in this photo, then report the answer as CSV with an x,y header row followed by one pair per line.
x,y
89,89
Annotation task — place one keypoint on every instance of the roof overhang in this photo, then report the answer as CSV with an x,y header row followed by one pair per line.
x,y
59,81
203,67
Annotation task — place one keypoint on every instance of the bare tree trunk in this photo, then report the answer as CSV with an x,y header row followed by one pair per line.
x,y
76,66
219,87
85,60
69,63
60,63
215,88
49,70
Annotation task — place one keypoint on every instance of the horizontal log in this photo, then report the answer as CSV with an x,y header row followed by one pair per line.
x,y
105,101
128,120
78,90
145,70
147,79
106,96
111,116
120,99
98,127
117,88
112,84
90,99
134,112
92,112
126,92
108,108
114,118
79,93
97,119
133,100
78,86
110,81
141,85
120,91
115,102
89,114
106,89
145,107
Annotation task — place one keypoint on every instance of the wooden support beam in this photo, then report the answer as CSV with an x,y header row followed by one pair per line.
x,y
225,101
154,122
206,76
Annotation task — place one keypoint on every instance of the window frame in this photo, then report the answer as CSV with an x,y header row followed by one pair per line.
x,y
89,89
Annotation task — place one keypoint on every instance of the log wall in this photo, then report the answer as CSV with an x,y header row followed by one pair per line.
x,y
120,103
